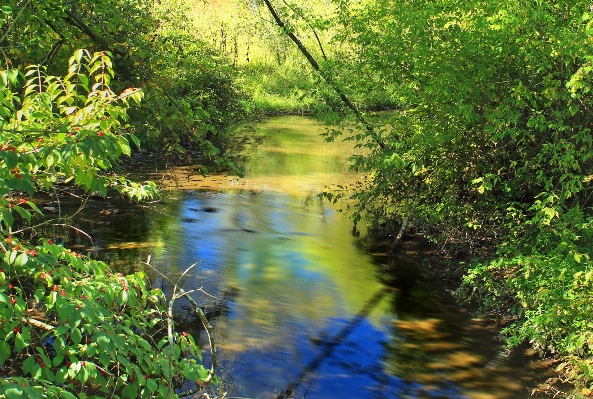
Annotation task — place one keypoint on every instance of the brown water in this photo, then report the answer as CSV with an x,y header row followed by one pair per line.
x,y
298,306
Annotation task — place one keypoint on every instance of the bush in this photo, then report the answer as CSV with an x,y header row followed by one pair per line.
x,y
68,325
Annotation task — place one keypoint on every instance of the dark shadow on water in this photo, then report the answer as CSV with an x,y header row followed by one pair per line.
x,y
330,345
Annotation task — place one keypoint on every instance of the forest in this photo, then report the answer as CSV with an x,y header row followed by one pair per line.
x,y
475,119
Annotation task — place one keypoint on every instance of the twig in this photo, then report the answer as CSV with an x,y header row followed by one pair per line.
x,y
171,340
197,310
37,323
77,229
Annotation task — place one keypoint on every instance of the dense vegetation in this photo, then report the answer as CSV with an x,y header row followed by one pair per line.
x,y
486,150
490,152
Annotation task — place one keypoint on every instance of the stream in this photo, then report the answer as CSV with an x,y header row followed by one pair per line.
x,y
299,308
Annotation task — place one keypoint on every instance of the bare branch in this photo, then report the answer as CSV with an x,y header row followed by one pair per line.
x,y
197,310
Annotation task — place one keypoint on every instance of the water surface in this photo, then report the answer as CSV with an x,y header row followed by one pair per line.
x,y
299,308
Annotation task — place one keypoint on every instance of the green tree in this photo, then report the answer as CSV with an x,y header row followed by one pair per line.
x,y
191,96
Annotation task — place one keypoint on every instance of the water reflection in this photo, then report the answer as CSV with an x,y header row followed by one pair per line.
x,y
300,309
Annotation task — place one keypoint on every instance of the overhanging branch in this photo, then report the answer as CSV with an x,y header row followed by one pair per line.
x,y
368,127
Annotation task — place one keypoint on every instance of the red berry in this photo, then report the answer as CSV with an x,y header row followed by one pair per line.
x,y
50,242
100,134
22,201
56,288
13,300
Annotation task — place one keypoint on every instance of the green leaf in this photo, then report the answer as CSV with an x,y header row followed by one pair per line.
x,y
136,140
67,395
14,393
58,360
28,364
19,343
91,350
84,80
105,359
130,391
103,342
21,260
76,336
36,371
152,385
5,351
62,374
7,218
176,352
13,75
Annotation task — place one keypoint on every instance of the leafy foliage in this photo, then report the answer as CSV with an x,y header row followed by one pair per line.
x,y
69,326
191,94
